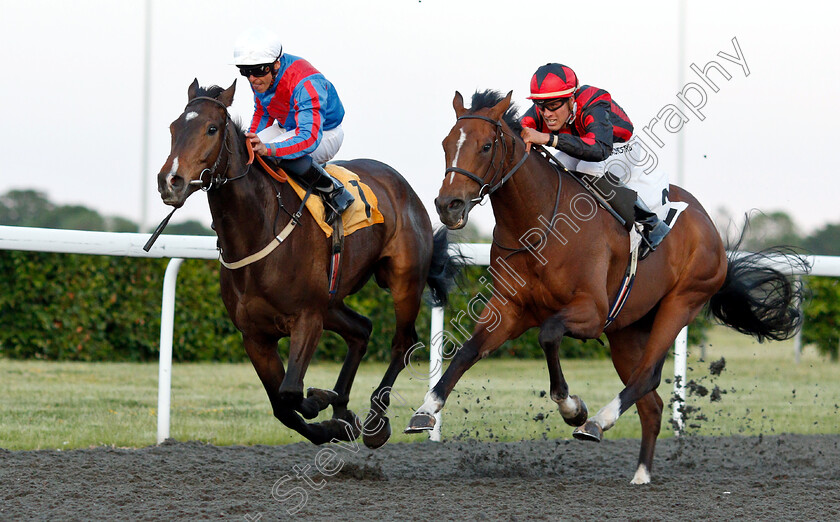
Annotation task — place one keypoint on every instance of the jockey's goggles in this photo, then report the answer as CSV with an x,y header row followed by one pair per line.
x,y
550,105
257,71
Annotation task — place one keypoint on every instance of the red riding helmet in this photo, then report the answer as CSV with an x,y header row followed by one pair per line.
x,y
553,80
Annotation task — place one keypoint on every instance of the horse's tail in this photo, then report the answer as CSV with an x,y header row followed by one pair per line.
x,y
444,269
759,297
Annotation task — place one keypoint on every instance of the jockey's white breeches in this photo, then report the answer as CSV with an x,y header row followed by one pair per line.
x,y
624,163
331,140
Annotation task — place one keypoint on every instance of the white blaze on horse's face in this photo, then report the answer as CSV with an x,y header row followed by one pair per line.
x,y
190,115
461,141
172,172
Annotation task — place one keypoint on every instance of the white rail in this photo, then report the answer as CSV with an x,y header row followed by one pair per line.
x,y
178,248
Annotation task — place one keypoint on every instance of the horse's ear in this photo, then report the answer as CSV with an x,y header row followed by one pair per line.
x,y
226,96
192,92
458,104
500,108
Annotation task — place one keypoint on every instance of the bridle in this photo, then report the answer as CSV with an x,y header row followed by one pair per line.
x,y
489,187
492,188
216,179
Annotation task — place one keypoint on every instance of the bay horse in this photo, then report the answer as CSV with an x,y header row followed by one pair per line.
x,y
286,294
558,261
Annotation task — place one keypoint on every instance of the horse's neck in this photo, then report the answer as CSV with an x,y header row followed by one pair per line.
x,y
530,193
244,210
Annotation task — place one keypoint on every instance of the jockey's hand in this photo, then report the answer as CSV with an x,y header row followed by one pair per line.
x,y
257,144
534,136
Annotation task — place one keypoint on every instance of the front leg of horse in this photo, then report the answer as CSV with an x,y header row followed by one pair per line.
x,y
269,368
303,341
480,345
355,329
572,408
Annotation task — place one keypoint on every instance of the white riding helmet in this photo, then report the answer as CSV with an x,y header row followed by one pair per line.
x,y
257,46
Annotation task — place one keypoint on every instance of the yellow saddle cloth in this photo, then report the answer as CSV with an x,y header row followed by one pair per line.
x,y
362,213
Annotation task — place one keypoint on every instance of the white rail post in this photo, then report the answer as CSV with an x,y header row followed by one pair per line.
x,y
436,362
680,358
167,323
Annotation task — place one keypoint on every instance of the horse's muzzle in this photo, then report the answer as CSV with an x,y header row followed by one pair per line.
x,y
453,212
173,189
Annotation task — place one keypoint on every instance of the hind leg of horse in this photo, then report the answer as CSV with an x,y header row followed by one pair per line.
x,y
672,315
572,408
355,329
626,347
488,336
269,368
406,289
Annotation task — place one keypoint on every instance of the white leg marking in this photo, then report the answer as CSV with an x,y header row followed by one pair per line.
x,y
461,141
172,172
568,407
642,475
190,115
432,405
606,416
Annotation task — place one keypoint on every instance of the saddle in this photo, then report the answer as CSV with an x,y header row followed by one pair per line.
x,y
620,198
608,190
362,213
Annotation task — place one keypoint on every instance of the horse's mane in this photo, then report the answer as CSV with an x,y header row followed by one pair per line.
x,y
489,98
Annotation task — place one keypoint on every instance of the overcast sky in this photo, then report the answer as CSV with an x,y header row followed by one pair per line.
x,y
72,87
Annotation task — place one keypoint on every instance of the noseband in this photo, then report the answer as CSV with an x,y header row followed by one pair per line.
x,y
479,179
216,180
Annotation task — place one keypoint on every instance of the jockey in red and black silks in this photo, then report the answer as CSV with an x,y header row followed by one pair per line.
x,y
592,134
597,124
297,114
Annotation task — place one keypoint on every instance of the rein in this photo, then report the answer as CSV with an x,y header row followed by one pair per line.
x,y
479,179
218,180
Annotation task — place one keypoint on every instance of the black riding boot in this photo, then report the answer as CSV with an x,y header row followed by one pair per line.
x,y
654,229
336,197
309,173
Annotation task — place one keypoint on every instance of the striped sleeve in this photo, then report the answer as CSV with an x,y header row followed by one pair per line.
x,y
261,118
308,103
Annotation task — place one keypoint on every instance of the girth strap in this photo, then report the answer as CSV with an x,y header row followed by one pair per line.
x,y
624,289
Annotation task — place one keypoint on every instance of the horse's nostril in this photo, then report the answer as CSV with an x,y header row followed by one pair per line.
x,y
456,204
176,182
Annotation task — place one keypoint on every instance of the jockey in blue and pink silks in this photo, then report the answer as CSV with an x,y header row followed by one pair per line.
x,y
297,114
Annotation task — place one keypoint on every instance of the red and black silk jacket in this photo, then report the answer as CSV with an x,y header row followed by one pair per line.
x,y
599,122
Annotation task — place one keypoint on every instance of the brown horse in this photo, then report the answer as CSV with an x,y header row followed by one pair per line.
x,y
558,261
285,294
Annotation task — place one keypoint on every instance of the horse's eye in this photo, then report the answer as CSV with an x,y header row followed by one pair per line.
x,y
486,147
212,130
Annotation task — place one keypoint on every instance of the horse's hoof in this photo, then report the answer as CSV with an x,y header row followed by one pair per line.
x,y
420,422
582,415
323,398
341,430
589,431
351,418
377,431
308,408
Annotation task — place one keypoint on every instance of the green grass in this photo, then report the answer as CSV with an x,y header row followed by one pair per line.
x,y
74,405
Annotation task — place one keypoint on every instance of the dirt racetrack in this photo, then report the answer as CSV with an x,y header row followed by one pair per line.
x,y
780,477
